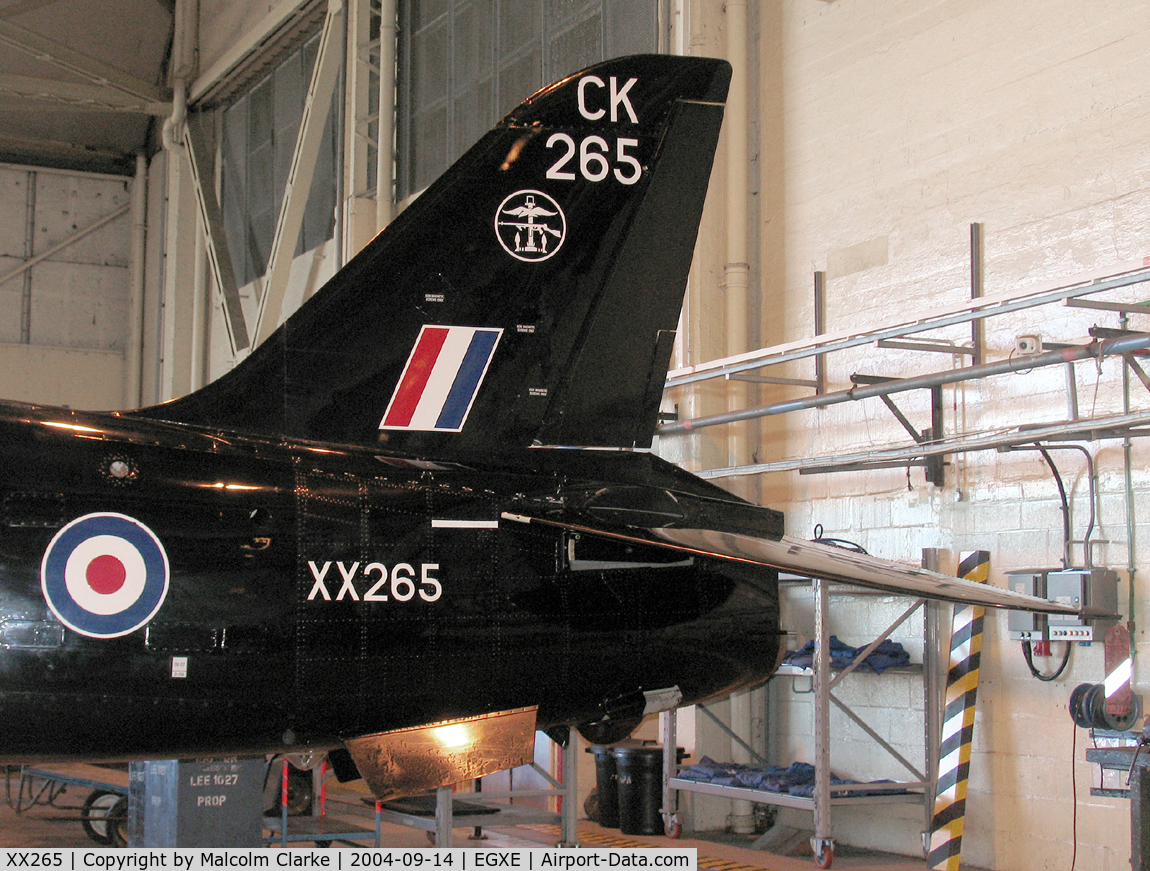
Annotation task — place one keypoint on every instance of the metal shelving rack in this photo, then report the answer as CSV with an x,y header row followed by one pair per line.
x,y
825,679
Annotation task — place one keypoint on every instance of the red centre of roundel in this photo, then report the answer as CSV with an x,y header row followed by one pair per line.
x,y
106,574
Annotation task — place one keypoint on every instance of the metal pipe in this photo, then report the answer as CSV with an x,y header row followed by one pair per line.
x,y
737,267
1093,430
820,328
343,147
385,152
977,340
1095,350
729,733
134,350
821,666
737,281
1128,476
172,132
933,701
184,47
736,270
30,259
1122,276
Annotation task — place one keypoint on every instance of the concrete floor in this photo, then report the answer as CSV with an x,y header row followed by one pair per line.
x,y
58,825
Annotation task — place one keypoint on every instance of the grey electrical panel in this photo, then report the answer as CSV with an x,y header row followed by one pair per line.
x,y
1095,590
1026,625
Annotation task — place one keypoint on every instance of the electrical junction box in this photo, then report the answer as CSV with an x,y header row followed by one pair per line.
x,y
1028,346
1026,625
1093,589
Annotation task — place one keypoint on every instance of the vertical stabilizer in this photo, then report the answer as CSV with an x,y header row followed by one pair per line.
x,y
530,296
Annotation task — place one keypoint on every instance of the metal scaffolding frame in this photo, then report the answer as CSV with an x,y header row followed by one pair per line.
x,y
1086,284
930,446
824,680
196,140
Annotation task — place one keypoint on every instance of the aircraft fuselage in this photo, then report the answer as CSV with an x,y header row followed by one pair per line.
x,y
316,592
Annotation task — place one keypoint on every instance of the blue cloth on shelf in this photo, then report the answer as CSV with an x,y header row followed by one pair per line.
x,y
797,779
806,790
707,770
888,653
762,778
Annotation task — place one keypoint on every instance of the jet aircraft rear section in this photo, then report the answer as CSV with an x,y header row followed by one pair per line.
x,y
372,522
434,607
316,594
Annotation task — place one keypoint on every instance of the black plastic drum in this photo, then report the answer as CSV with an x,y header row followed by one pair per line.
x,y
607,783
640,773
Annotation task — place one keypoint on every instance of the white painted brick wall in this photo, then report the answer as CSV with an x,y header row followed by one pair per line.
x,y
893,125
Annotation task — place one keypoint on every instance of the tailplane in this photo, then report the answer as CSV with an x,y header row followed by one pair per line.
x,y
528,297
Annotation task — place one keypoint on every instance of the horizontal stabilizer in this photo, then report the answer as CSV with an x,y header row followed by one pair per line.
x,y
815,560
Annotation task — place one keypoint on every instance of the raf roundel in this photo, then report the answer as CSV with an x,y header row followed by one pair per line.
x,y
104,575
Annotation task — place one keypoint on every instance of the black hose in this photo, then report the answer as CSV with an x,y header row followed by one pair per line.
x,y
1065,508
1029,656
836,542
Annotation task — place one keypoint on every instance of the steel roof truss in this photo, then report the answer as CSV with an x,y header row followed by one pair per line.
x,y
79,64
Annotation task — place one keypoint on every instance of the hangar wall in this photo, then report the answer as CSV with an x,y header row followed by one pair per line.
x,y
64,315
887,128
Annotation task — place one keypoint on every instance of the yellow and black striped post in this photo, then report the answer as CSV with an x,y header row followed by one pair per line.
x,y
958,722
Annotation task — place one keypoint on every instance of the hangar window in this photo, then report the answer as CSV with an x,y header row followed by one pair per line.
x,y
259,136
464,64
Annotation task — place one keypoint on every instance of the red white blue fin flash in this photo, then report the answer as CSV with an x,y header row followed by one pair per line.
x,y
441,379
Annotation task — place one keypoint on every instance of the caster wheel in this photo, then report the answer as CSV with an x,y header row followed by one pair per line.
x,y
104,818
118,822
824,856
673,828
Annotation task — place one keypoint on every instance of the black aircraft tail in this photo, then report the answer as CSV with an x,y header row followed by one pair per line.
x,y
528,297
